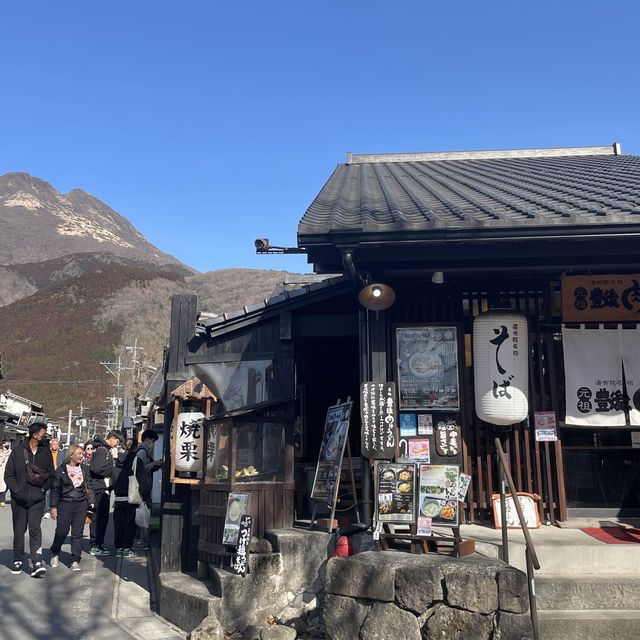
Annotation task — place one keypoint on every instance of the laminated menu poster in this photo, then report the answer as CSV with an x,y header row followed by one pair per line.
x,y
237,506
336,431
438,496
396,492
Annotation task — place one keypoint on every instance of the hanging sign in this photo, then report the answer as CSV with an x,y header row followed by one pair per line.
x,y
336,431
241,560
378,417
545,426
395,492
603,298
501,367
237,506
448,437
427,367
189,445
438,497
595,395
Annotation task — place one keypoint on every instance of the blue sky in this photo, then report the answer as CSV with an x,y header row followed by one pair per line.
x,y
209,124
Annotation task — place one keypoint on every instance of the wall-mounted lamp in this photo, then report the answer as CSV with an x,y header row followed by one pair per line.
x,y
377,296
437,277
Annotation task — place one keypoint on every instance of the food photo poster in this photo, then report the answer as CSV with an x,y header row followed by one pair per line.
x,y
395,492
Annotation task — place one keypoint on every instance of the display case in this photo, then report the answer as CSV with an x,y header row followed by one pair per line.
x,y
248,454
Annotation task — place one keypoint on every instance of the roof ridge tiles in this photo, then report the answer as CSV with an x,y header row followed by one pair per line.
x,y
436,156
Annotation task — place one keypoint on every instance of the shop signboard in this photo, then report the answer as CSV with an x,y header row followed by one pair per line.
x,y
378,417
241,560
427,367
601,298
336,432
395,492
237,506
528,504
189,445
438,494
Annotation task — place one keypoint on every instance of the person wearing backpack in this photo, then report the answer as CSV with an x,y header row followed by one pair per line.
x,y
29,474
131,487
71,497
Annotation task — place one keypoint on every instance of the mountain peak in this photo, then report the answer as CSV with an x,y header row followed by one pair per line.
x,y
39,223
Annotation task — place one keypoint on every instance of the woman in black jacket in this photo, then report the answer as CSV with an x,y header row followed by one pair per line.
x,y
71,498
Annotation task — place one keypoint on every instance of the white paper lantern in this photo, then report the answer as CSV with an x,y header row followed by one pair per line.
x,y
189,446
501,367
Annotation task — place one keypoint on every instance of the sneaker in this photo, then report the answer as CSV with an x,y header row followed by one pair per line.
x,y
54,562
99,551
126,553
38,570
75,566
2,504
119,553
17,567
47,516
141,544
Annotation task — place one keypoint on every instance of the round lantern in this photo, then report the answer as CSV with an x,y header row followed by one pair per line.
x,y
501,367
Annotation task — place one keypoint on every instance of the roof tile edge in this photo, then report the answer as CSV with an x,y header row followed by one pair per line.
x,y
436,156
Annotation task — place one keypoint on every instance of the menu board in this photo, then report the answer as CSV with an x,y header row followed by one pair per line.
x,y
545,426
378,416
438,495
336,431
395,492
427,362
237,506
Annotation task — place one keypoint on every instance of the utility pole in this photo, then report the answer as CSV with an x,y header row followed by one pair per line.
x,y
116,369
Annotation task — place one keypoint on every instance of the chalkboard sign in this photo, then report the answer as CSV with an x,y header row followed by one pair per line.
x,y
241,560
336,431
448,437
378,416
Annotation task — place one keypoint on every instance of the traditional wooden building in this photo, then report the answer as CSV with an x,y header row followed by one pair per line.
x,y
429,242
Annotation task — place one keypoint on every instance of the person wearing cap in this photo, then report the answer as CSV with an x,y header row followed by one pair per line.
x,y
101,470
27,495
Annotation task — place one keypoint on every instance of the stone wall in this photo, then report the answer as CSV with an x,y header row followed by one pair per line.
x,y
397,596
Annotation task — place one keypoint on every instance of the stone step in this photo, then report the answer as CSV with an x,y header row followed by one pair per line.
x,y
587,591
598,558
599,624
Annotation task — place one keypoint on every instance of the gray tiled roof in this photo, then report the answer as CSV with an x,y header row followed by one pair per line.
x,y
419,192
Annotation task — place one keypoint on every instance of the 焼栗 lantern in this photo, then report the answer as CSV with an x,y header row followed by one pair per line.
x,y
501,367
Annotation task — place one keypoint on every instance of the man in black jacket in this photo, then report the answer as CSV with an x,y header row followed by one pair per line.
x,y
101,469
27,499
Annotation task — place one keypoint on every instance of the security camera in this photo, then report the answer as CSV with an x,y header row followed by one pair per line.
x,y
261,244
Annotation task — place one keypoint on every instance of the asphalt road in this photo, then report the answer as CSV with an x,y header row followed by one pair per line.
x,y
110,599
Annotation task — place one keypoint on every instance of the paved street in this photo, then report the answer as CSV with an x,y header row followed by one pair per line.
x,y
109,599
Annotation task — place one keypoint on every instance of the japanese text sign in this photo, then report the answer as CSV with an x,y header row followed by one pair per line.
x,y
189,442
601,298
379,420
241,560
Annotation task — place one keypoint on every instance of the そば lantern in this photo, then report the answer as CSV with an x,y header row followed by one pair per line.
x,y
501,367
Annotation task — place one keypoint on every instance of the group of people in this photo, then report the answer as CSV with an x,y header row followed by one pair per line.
x,y
76,487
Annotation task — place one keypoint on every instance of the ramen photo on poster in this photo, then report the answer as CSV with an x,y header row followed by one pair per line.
x,y
427,367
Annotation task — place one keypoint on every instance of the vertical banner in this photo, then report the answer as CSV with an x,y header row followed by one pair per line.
x,y
189,447
630,345
593,377
379,418
241,560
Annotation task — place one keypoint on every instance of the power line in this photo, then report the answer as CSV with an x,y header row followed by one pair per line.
x,y
11,382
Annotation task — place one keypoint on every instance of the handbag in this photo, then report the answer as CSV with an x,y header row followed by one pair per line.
x,y
133,495
36,476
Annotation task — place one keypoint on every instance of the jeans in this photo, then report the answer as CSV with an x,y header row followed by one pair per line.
x,y
124,524
70,515
100,518
23,515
